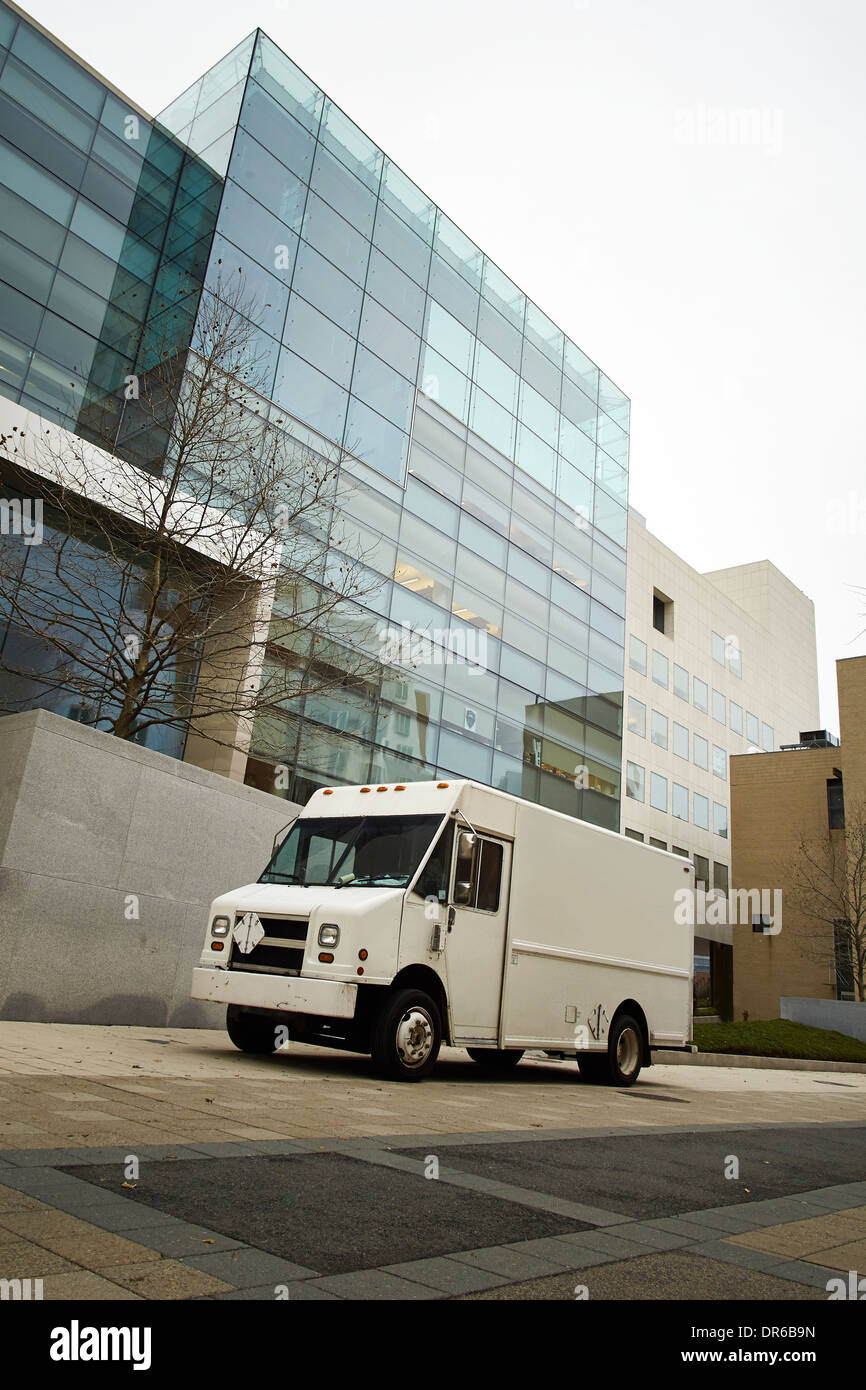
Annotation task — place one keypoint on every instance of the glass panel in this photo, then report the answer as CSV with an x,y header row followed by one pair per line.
x,y
700,694
335,239
658,792
323,285
320,341
403,197
768,738
291,87
720,820
659,729
637,654
680,802
720,763
492,421
752,729
351,198
500,335
390,339
456,248
454,293
719,711
372,438
56,67
660,669
736,715
444,384
701,751
310,396
681,741
681,682
269,181
384,389
277,131
448,337
351,146
396,291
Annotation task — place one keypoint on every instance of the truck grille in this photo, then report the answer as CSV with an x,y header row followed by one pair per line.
x,y
281,950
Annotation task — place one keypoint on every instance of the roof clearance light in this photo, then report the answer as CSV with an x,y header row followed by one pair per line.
x,y
329,791
381,789
366,789
400,787
441,784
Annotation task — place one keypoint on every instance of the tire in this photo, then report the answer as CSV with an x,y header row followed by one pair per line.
x,y
250,1033
407,1036
622,1063
491,1059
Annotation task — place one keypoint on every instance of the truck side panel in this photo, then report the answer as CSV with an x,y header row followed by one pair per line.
x,y
592,923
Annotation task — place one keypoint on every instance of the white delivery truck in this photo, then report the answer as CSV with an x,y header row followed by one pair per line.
x,y
394,918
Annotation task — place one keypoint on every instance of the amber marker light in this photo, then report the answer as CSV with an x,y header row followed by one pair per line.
x,y
366,789
217,945
381,789
440,785
326,958
400,788
329,791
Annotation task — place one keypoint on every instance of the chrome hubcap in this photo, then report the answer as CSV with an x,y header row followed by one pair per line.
x,y
415,1037
627,1051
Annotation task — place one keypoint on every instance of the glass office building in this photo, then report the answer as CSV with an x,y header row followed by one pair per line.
x,y
483,455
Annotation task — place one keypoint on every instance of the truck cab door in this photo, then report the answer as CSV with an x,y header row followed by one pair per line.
x,y
475,940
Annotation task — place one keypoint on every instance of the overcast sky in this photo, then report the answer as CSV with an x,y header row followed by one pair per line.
x,y
678,184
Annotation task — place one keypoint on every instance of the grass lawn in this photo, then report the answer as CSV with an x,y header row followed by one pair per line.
x,y
778,1037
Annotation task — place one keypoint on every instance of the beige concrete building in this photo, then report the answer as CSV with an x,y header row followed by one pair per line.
x,y
717,665
779,802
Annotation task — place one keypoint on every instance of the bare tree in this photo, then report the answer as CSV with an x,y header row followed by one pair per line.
x,y
827,878
219,587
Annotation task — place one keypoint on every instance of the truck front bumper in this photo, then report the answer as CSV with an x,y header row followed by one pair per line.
x,y
285,994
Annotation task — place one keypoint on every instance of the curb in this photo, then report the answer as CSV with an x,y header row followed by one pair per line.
x,y
734,1059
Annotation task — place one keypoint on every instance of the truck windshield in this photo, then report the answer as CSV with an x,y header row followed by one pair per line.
x,y
353,851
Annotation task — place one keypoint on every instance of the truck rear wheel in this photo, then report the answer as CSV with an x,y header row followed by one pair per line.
x,y
407,1036
621,1065
250,1033
492,1059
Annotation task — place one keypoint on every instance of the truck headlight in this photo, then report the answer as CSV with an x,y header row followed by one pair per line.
x,y
220,926
329,934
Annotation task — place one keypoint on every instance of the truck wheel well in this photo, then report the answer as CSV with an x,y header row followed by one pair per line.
x,y
422,977
632,1007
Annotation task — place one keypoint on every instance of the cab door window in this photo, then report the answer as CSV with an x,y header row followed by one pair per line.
x,y
477,872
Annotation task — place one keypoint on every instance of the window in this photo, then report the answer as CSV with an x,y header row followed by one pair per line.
x,y
658,844
681,682
752,729
768,738
663,613
718,649
701,752
637,655
433,880
636,717
683,853
659,729
635,835
680,802
681,741
658,792
843,952
702,871
736,715
720,763
735,657
719,711
700,694
635,782
658,613
720,820
720,877
835,803
660,669
701,811
477,872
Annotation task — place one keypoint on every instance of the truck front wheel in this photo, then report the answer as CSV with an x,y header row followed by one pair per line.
x,y
250,1033
407,1036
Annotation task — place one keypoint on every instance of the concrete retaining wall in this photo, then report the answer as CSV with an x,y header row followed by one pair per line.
x,y
841,1015
109,857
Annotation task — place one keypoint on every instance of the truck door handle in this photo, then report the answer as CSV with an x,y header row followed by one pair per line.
x,y
451,916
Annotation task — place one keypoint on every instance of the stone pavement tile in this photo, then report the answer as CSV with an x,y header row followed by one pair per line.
x,y
735,1220
804,1273
83,1285
652,1238
678,1226
795,1238
607,1242
77,1240
557,1252
164,1279
246,1267
373,1284
451,1276
850,1256
297,1293
666,1275
829,1199
729,1253
120,1215
180,1239
21,1259
12,1199
513,1264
